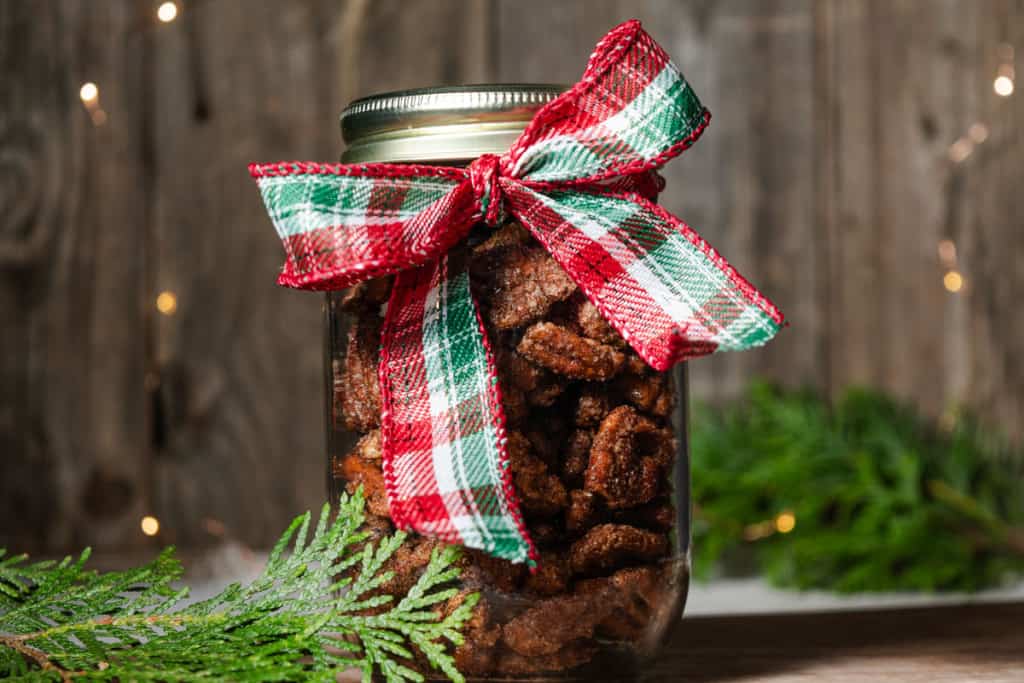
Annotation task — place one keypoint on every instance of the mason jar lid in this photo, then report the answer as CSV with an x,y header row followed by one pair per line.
x,y
455,123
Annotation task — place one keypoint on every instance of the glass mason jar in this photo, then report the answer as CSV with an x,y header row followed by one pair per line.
x,y
597,440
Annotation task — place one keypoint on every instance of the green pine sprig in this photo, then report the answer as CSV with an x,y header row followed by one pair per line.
x,y
882,498
318,608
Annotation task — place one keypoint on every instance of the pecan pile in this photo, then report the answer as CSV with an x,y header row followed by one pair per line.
x,y
591,451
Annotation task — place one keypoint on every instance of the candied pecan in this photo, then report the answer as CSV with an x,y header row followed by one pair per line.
x,y
368,447
407,563
625,469
552,575
546,534
501,574
593,324
607,546
644,584
378,525
514,402
538,386
658,443
476,655
658,514
592,407
641,593
357,386
516,371
521,284
542,444
509,236
554,623
520,455
637,593
577,455
337,393
542,495
584,511
636,365
562,351
546,395
540,492
368,294
355,472
570,656
650,394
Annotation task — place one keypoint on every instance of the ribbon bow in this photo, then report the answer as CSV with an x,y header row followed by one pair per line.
x,y
581,178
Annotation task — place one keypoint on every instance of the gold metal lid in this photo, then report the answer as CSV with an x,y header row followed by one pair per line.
x,y
440,124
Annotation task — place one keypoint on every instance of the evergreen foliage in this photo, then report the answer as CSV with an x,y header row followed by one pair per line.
x,y
882,499
316,609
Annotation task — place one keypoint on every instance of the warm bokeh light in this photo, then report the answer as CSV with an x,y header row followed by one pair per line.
x,y
953,281
167,12
89,92
785,522
978,132
150,525
1003,85
167,303
960,150
947,252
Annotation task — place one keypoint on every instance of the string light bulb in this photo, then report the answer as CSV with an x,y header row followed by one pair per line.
x,y
785,522
167,12
960,150
953,281
1003,85
150,525
978,132
89,92
167,303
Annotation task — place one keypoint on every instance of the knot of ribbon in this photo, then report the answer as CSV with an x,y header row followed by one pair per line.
x,y
483,176
581,179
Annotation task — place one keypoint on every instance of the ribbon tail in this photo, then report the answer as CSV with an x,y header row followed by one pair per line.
x,y
343,224
668,292
446,466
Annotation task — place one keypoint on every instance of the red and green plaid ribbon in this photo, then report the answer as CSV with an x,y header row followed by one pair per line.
x,y
581,178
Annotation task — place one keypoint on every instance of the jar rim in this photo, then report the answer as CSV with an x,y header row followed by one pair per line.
x,y
449,123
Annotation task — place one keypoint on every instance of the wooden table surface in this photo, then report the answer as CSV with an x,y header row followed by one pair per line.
x,y
935,644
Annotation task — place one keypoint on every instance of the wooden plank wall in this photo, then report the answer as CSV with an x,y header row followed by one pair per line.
x,y
826,176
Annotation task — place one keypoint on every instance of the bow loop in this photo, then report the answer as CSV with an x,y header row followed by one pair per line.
x,y
483,176
630,113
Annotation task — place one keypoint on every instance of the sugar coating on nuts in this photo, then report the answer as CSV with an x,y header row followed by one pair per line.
x,y
357,386
554,623
521,279
540,492
567,353
589,448
619,471
610,546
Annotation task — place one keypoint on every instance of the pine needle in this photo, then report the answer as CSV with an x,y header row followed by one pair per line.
x,y
861,495
315,610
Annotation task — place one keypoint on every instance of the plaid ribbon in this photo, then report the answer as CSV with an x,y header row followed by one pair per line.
x,y
582,179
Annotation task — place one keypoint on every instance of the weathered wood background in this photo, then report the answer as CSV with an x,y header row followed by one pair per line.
x,y
826,176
